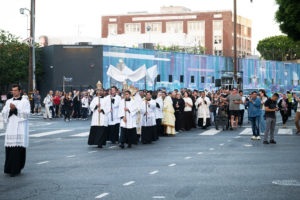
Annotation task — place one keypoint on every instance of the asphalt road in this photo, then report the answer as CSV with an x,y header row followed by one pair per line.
x,y
196,165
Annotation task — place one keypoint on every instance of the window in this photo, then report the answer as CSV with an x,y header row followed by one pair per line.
x,y
196,29
170,78
154,27
192,79
181,79
112,29
158,78
202,79
174,27
218,35
250,80
133,28
212,79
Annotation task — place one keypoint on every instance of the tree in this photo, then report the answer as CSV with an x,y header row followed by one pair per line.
x,y
197,49
279,48
14,59
288,16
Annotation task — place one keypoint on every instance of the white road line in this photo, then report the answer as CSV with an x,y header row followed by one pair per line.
x,y
129,183
211,149
210,132
49,133
228,140
112,147
84,134
158,197
248,145
247,131
200,153
188,157
71,156
101,195
222,144
282,131
172,165
92,151
237,137
44,162
154,172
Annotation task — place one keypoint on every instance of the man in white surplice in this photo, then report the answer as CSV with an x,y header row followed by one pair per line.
x,y
148,119
128,113
203,104
113,116
16,112
100,106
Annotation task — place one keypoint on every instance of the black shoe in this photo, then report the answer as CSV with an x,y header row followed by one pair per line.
x,y
231,129
122,146
272,142
129,146
265,142
100,146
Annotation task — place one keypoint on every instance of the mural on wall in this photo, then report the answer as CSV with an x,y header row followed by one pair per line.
x,y
177,70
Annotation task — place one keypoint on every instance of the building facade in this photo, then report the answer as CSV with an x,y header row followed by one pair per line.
x,y
180,26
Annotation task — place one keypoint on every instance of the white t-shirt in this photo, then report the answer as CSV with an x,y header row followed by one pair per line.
x,y
264,100
242,105
189,101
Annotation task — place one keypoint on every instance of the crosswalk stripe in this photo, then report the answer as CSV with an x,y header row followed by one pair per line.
x,y
49,133
247,131
210,132
84,134
288,131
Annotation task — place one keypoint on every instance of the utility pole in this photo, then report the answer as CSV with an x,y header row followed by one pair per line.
x,y
234,42
31,70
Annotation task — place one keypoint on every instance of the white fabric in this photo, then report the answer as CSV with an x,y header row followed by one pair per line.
x,y
47,113
17,131
149,118
189,101
159,111
138,99
264,101
203,109
130,115
48,100
242,105
105,106
133,76
113,116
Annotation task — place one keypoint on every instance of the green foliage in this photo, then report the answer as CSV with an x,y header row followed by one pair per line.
x,y
288,16
279,48
14,60
197,49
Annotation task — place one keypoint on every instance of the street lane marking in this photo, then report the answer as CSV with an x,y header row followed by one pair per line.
x,y
172,165
210,132
188,157
44,162
248,145
71,156
228,140
154,172
49,133
237,137
247,131
200,153
158,197
282,131
84,134
129,183
222,144
211,149
92,151
112,147
101,195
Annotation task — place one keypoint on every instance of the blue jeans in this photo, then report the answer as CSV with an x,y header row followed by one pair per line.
x,y
262,123
255,125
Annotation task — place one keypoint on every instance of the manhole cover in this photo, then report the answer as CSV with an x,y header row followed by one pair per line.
x,y
287,182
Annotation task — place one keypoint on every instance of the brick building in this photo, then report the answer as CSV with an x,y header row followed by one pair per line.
x,y
179,26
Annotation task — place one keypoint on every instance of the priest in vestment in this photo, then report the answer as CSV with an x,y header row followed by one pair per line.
x,y
100,106
203,103
148,119
113,116
127,114
16,112
169,118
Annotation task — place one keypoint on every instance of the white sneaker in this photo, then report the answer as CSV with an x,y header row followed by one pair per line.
x,y
253,138
258,138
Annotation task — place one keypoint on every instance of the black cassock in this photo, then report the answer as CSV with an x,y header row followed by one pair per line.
x,y
113,133
98,135
15,160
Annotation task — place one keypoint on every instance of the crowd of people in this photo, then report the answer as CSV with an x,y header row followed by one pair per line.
x,y
163,113
131,116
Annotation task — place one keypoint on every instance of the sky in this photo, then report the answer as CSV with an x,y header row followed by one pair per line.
x,y
73,18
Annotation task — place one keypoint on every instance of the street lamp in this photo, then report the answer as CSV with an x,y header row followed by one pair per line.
x,y
31,70
22,11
